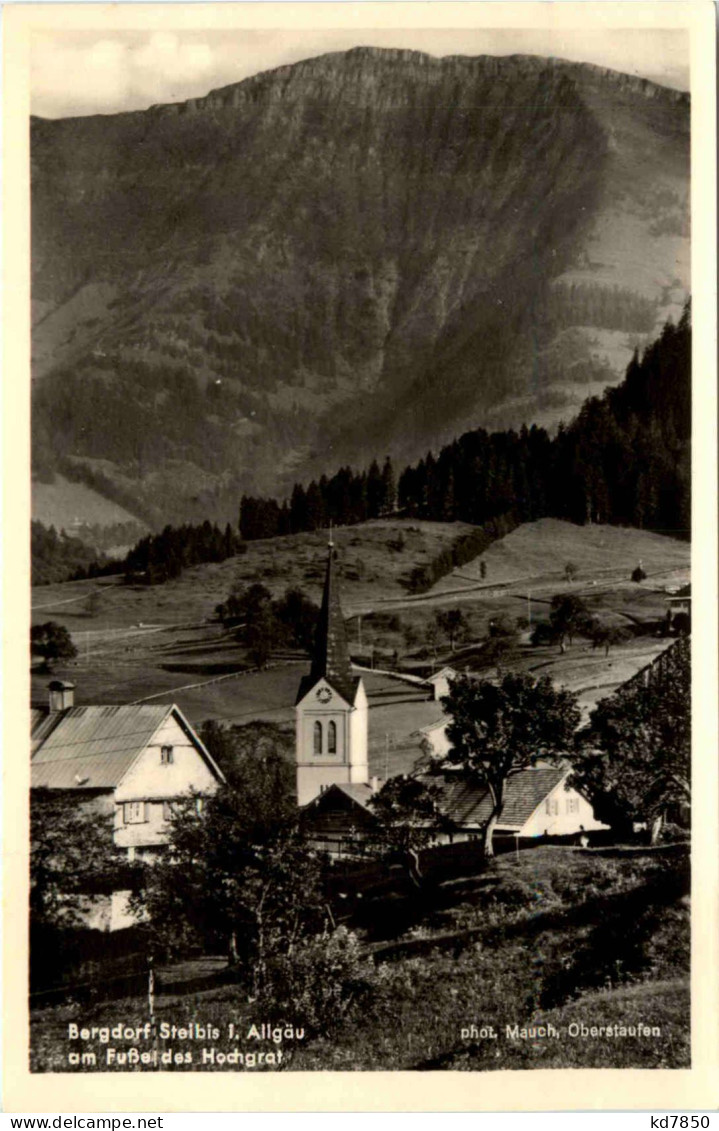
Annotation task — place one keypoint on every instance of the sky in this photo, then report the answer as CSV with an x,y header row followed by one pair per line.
x,y
102,72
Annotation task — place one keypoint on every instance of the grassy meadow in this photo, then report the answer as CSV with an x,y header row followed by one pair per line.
x,y
538,940
164,643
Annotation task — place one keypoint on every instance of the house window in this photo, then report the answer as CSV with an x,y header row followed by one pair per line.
x,y
134,812
166,755
572,804
166,810
552,807
332,738
318,738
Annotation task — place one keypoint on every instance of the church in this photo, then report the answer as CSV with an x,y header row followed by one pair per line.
x,y
331,706
333,781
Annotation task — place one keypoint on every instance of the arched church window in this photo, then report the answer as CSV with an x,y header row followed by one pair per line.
x,y
332,738
318,738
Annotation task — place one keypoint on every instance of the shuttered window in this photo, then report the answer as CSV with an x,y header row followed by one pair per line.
x,y
134,812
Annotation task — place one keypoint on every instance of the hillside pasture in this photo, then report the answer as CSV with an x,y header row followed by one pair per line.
x,y
537,553
66,505
139,641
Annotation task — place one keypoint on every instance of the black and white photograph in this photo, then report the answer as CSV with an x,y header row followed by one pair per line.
x,y
360,643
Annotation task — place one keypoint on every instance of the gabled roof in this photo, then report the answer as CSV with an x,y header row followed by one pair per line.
x,y
467,804
94,747
436,725
42,722
358,792
445,673
348,690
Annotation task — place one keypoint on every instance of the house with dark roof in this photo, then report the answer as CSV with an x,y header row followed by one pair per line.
x,y
538,803
339,820
131,762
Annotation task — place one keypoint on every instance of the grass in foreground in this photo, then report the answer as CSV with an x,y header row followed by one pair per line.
x,y
559,937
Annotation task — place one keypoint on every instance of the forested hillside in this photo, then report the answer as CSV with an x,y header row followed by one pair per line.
x,y
625,459
372,251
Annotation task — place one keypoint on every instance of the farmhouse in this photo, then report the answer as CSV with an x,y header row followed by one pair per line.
x,y
131,762
539,803
340,819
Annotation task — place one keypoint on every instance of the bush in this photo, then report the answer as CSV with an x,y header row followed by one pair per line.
x,y
638,574
51,641
543,634
321,981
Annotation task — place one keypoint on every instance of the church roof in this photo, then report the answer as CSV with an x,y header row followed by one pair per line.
x,y
331,660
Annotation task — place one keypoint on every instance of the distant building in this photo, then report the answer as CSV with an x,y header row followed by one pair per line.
x,y
439,682
679,611
331,706
130,762
434,738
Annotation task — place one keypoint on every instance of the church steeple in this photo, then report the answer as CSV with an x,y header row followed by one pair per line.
x,y
331,658
331,707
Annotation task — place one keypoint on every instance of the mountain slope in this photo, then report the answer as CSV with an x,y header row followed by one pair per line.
x,y
367,251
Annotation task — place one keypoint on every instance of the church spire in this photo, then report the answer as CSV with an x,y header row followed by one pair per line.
x,y
331,659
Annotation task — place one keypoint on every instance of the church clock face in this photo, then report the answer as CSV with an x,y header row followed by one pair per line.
x,y
324,695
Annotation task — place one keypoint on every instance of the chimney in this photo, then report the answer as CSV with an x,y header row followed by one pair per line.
x,y
62,695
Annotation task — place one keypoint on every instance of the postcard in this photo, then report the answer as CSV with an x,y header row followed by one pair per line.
x,y
360,400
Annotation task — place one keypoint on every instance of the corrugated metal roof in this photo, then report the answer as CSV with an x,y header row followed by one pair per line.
x,y
42,722
94,747
466,804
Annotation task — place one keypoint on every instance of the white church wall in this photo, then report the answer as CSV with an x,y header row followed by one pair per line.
x,y
359,727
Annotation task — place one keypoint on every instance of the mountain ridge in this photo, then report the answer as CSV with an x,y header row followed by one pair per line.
x,y
373,247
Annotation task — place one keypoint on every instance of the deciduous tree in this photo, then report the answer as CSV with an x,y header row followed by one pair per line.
x,y
498,730
568,616
634,758
410,816
52,642
234,874
453,623
71,852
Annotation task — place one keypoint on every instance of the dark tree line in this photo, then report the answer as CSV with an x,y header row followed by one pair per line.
x,y
347,498
59,557
464,549
160,557
625,459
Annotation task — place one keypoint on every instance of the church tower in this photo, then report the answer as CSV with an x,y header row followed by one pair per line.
x,y
331,706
